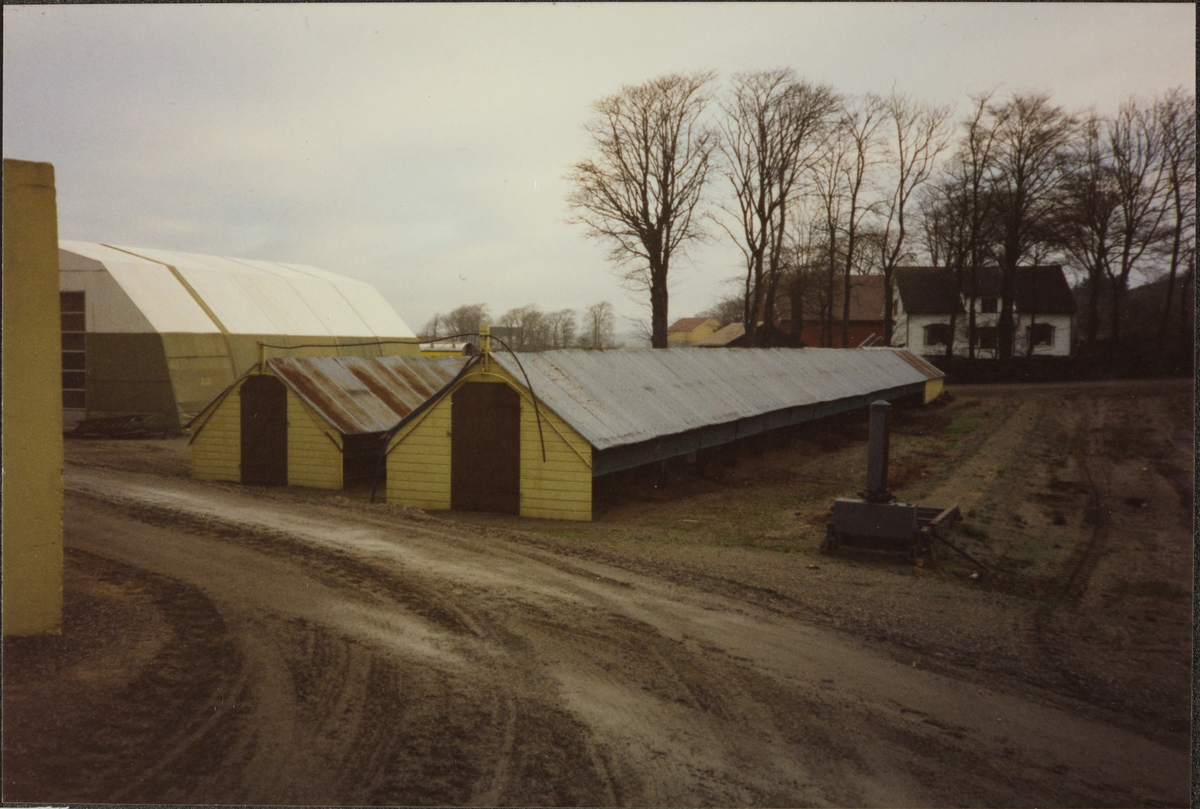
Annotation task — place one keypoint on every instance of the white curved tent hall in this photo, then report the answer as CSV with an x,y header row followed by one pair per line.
x,y
157,332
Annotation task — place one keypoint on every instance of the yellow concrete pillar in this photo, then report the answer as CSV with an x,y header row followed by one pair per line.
x,y
32,377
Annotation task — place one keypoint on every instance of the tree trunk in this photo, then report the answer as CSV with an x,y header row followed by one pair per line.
x,y
1008,292
889,324
658,307
797,301
1093,306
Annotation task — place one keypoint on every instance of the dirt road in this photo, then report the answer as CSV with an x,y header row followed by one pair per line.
x,y
308,652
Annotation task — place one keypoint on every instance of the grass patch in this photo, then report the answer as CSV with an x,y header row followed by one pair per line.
x,y
963,426
971,530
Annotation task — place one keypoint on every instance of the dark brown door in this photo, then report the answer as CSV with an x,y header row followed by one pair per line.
x,y
485,448
264,431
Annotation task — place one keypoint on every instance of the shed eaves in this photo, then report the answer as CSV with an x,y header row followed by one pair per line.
x,y
615,398
358,395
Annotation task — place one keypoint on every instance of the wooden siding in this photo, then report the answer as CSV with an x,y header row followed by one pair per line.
x,y
933,389
558,488
418,464
313,457
217,447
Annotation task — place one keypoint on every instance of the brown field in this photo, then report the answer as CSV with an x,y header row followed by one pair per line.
x,y
690,646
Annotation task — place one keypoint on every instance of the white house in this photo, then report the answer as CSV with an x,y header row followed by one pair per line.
x,y
926,298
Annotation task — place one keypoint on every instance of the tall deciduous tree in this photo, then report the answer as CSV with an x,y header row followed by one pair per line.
x,y
641,191
771,131
919,134
860,122
1087,214
1175,119
1029,161
1139,178
599,321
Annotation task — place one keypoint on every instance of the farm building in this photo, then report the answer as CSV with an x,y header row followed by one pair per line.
x,y
311,421
926,303
688,330
154,332
481,444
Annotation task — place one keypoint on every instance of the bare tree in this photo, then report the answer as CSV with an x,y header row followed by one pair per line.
x,y
528,327
770,132
642,191
919,134
599,321
561,328
727,310
1029,159
828,177
1088,210
1175,120
1139,178
861,120
466,319
432,327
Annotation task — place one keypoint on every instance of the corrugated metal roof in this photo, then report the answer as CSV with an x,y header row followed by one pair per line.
x,y
365,394
245,295
614,398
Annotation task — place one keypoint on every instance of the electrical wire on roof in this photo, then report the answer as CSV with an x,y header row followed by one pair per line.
x,y
387,437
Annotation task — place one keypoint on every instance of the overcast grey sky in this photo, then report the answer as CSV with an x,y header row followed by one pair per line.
x,y
422,148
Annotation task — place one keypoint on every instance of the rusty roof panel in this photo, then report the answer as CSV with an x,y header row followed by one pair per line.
x,y
614,398
365,394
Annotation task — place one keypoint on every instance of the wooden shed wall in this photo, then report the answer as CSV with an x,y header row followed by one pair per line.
x,y
933,389
418,465
314,448
217,448
558,488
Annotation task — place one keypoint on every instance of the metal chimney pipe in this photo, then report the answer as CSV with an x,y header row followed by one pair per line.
x,y
877,454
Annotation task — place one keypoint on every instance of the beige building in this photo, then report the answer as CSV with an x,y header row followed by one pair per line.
x,y
32,442
690,330
160,333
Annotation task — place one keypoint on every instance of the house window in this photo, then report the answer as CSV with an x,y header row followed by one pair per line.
x,y
989,305
1042,334
937,334
986,337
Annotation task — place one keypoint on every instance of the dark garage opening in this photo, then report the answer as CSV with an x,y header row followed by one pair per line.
x,y
485,448
264,431
360,458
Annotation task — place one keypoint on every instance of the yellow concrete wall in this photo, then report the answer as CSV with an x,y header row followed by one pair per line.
x,y
217,447
314,459
560,487
32,378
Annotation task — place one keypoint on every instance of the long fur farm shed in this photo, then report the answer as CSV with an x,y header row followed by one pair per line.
x,y
149,331
480,444
312,421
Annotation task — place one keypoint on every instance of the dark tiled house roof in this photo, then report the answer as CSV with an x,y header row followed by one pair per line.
x,y
1044,290
927,291
930,290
